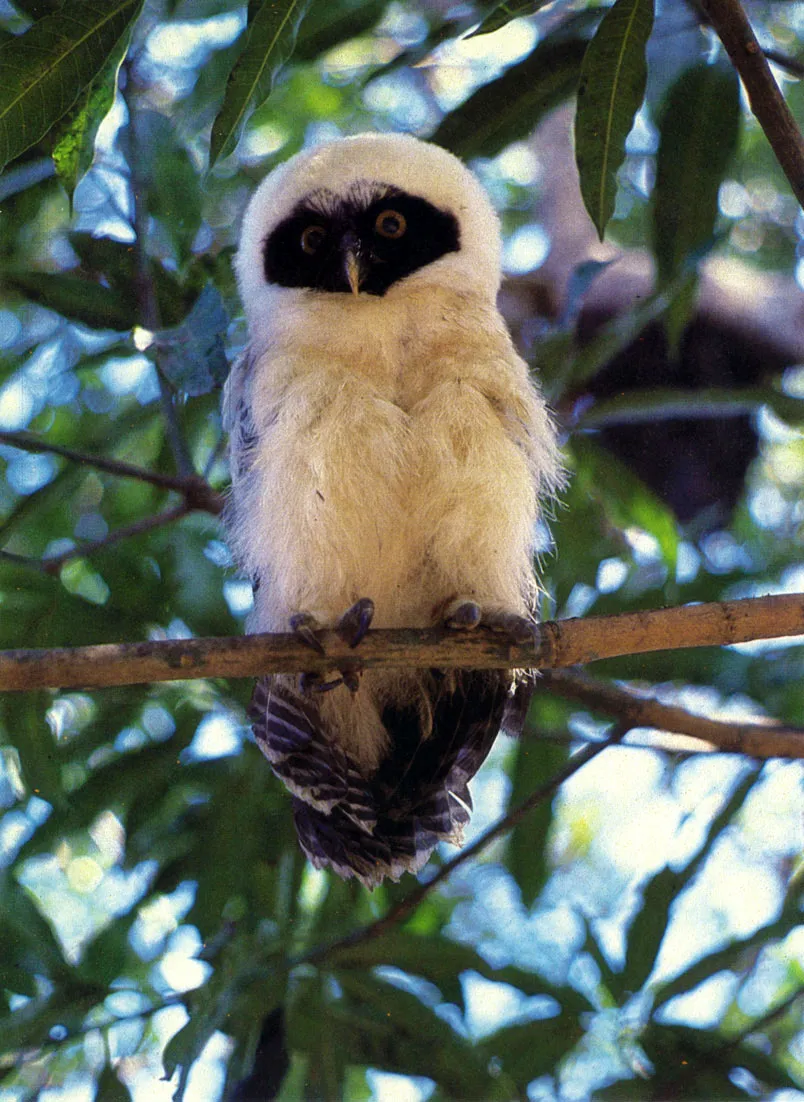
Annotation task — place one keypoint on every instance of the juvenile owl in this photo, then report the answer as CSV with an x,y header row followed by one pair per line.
x,y
389,454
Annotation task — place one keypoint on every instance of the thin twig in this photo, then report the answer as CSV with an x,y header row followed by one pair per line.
x,y
411,901
731,25
558,643
193,488
766,1019
53,563
757,740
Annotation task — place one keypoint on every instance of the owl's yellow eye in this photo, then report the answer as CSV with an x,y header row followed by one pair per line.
x,y
390,223
312,239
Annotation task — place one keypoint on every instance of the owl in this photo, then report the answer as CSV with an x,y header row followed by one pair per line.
x,y
390,455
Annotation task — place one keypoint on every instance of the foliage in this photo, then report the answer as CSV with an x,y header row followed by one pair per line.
x,y
640,936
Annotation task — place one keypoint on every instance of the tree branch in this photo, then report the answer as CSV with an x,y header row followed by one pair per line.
x,y
53,563
764,95
193,488
558,643
757,740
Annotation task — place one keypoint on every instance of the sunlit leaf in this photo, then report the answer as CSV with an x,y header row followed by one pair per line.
x,y
75,148
503,13
509,108
43,74
626,497
268,43
611,89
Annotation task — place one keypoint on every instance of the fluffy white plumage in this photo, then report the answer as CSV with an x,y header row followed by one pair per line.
x,y
392,446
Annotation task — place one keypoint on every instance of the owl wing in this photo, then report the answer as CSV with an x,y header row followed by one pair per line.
x,y
236,415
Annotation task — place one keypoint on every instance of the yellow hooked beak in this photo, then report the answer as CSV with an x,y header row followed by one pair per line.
x,y
352,269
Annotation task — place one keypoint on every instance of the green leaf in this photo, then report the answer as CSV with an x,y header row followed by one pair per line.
x,y
508,109
639,406
382,1026
23,717
165,172
535,1048
268,42
327,25
110,1089
26,937
193,357
503,13
698,132
43,73
628,500
75,148
441,962
649,927
611,90
536,762
73,297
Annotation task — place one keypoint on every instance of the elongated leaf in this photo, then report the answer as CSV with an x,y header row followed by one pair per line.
x,y
326,25
699,128
728,956
611,90
74,150
509,108
503,13
268,43
650,925
535,1048
442,962
536,763
639,406
43,73
627,499
380,1025
75,298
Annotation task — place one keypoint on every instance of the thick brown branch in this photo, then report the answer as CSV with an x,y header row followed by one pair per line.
x,y
758,740
767,102
195,490
559,643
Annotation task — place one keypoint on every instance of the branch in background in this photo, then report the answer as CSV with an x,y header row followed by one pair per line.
x,y
411,901
197,493
53,563
558,643
730,23
757,740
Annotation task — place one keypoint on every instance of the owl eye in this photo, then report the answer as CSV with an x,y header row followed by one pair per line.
x,y
312,239
390,223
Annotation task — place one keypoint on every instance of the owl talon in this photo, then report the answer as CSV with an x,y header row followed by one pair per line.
x,y
304,625
518,629
314,683
356,621
463,616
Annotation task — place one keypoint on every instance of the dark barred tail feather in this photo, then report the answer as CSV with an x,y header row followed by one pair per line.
x,y
389,823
